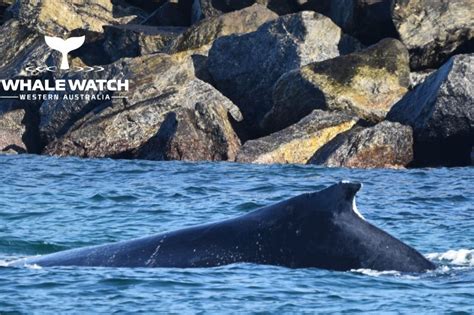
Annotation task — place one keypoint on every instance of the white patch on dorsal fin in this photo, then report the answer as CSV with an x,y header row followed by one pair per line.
x,y
356,211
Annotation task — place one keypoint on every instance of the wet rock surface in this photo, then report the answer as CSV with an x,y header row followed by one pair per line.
x,y
297,143
441,112
385,145
365,84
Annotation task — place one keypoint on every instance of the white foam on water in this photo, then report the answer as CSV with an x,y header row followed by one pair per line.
x,y
376,273
18,262
460,257
3,263
33,266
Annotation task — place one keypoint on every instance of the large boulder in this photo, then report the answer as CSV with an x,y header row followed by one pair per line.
x,y
137,40
245,67
159,84
210,8
149,77
385,145
199,133
239,22
297,143
441,112
52,17
365,83
434,30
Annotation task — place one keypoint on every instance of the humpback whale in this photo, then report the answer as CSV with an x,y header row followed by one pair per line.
x,y
322,229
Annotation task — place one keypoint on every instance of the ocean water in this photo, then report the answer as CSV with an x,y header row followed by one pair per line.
x,y
50,204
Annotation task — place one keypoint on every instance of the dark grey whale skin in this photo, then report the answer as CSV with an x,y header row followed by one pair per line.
x,y
317,229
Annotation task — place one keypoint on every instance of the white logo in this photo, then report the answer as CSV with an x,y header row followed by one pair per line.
x,y
73,89
64,47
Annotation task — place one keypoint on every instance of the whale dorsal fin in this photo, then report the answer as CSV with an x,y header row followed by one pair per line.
x,y
350,190
339,197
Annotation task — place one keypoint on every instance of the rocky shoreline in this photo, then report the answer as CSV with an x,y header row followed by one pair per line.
x,y
336,83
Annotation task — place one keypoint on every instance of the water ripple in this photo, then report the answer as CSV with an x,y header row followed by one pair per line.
x,y
49,204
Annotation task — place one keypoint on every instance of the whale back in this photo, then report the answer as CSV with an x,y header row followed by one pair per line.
x,y
321,229
327,231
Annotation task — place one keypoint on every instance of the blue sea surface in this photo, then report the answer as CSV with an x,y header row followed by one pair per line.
x,y
50,204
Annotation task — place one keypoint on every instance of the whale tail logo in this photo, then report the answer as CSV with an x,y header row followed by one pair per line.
x,y
64,47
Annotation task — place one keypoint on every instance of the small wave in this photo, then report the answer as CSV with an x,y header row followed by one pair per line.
x,y
461,257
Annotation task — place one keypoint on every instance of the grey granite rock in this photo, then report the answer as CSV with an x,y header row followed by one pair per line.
x,y
441,112
365,84
297,143
210,8
385,145
19,127
54,18
434,30
11,131
149,77
202,132
419,77
159,84
21,50
245,67
138,40
238,22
